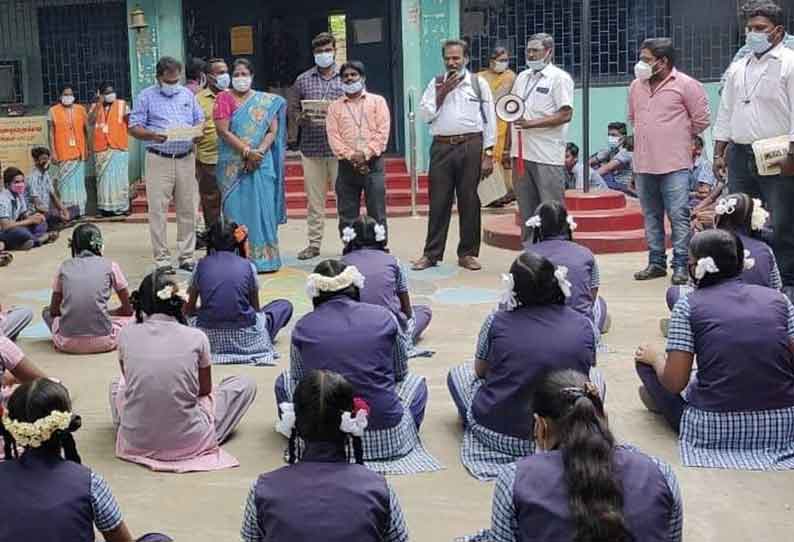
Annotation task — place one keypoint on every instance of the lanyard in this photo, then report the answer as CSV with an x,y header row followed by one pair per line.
x,y
747,95
359,122
527,93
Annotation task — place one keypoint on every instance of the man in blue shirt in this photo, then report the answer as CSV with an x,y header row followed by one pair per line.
x,y
170,164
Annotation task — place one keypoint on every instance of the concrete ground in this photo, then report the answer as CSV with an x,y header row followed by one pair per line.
x,y
719,505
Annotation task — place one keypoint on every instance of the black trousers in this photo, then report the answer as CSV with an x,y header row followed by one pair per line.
x,y
350,184
455,171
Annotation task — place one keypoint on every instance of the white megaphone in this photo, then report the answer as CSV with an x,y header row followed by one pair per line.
x,y
510,108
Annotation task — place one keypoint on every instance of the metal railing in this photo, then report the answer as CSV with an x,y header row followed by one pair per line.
x,y
412,150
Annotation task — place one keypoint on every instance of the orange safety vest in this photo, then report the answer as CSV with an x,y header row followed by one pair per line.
x,y
111,128
69,131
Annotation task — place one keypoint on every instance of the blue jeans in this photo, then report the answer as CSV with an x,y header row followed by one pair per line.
x,y
659,194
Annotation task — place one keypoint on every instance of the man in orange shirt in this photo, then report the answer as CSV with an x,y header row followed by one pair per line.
x,y
68,124
358,126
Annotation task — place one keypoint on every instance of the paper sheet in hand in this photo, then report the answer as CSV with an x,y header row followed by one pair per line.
x,y
315,108
492,187
770,153
184,133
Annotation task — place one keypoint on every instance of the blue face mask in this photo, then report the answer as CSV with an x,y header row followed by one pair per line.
x,y
353,88
758,42
170,89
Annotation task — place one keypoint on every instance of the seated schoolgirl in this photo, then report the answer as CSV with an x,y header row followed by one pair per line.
x,y
78,315
745,217
386,283
582,485
551,237
513,352
226,283
13,320
738,410
55,497
362,342
21,228
169,416
324,493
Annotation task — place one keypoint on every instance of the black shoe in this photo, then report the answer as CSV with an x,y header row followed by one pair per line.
x,y
309,253
651,272
680,277
187,266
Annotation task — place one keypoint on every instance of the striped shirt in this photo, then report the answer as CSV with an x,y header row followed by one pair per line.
x,y
107,515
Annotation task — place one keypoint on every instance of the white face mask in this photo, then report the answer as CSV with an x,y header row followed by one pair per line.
x,y
324,60
67,100
613,142
223,81
110,98
501,66
758,42
354,87
170,89
643,71
242,84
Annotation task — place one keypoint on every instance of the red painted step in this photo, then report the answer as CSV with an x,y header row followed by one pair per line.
x,y
594,201
627,218
393,182
394,165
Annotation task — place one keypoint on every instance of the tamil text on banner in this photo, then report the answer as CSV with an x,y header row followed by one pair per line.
x,y
17,137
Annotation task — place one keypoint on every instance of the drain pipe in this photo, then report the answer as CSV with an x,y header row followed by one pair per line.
x,y
414,174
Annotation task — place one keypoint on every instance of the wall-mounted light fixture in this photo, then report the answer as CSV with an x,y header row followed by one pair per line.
x,y
138,19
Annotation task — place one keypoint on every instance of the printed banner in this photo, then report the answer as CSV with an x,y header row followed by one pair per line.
x,y
17,136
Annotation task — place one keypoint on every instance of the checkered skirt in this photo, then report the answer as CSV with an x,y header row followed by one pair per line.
x,y
249,345
755,440
397,450
484,452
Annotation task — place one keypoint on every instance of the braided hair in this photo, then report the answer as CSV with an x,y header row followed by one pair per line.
x,y
86,237
320,399
535,283
553,222
364,228
145,300
36,400
572,404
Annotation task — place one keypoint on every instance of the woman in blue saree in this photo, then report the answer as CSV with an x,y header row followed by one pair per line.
x,y
250,170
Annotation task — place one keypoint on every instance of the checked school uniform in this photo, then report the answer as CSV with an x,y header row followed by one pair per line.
x,y
323,493
385,281
531,500
516,346
237,333
362,343
583,274
738,410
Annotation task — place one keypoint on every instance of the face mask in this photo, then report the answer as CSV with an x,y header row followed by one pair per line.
x,y
18,188
613,142
223,81
242,84
170,89
354,87
758,42
67,100
324,60
643,71
110,98
500,66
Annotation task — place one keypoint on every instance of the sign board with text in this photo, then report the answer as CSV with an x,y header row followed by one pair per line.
x,y
17,136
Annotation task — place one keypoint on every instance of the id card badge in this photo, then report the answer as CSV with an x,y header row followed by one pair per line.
x,y
72,141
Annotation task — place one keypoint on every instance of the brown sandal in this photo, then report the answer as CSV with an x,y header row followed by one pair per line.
x,y
6,258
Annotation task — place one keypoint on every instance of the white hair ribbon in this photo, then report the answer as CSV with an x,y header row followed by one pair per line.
x,y
380,233
759,217
169,291
348,234
354,425
316,283
572,223
749,262
561,274
533,222
705,266
286,423
726,206
508,300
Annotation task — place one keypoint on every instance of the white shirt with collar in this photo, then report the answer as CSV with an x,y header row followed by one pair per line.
x,y
545,93
460,112
757,100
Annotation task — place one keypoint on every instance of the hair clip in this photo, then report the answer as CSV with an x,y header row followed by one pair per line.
x,y
380,233
508,300
759,217
572,223
354,425
705,266
533,222
286,424
749,262
348,235
561,274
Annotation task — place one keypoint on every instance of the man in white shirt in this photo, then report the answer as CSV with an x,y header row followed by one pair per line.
x,y
459,108
537,142
758,103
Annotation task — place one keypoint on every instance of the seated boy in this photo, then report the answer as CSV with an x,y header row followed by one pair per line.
x,y
574,171
40,193
614,164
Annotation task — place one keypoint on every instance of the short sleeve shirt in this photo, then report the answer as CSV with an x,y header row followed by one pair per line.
x,y
11,206
38,189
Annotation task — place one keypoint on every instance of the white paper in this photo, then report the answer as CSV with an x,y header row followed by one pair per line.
x,y
492,187
770,153
184,133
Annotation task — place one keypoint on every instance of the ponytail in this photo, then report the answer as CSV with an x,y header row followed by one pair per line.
x,y
67,442
358,450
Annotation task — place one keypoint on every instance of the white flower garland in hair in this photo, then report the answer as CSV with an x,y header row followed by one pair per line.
x,y
726,206
354,425
705,266
759,216
533,222
170,291
380,233
561,274
33,435
348,235
749,262
508,300
316,283
286,423
572,223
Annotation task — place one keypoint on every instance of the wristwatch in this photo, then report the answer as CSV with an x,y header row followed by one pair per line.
x,y
489,153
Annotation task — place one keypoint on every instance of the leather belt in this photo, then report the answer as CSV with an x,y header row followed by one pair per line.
x,y
170,155
456,139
